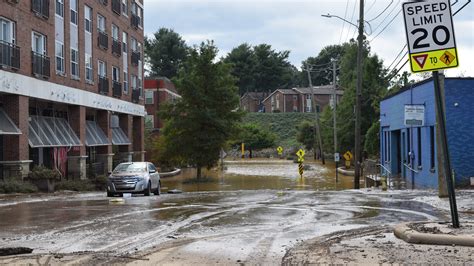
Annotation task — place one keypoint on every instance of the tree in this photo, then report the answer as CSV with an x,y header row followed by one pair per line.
x,y
372,139
243,62
261,68
255,137
198,125
165,52
306,135
321,64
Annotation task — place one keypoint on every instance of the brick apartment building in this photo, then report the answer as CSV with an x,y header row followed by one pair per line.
x,y
157,92
70,85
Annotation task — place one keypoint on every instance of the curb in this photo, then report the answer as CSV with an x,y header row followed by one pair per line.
x,y
409,235
345,172
172,173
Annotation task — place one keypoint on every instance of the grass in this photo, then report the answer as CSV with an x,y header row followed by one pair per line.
x,y
284,125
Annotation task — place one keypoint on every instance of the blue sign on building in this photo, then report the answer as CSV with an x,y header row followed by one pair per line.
x,y
409,151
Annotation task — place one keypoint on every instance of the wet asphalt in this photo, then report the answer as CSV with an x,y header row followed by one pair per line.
x,y
248,214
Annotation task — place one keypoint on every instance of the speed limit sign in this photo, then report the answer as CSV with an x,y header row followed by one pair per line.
x,y
430,35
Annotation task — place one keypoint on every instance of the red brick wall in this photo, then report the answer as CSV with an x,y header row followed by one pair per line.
x,y
27,21
16,107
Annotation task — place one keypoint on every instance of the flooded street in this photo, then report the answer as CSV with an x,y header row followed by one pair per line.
x,y
236,218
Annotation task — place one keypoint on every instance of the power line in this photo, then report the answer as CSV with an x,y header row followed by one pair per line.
x,y
343,21
352,18
396,57
388,15
370,7
383,11
388,24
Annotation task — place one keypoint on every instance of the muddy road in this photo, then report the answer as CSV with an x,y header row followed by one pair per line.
x,y
236,218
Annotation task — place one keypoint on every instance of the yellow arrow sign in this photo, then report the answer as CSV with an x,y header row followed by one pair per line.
x,y
348,156
300,153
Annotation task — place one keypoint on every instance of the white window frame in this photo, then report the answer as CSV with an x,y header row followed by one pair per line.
x,y
101,23
43,40
125,42
74,17
133,44
151,119
140,86
101,69
59,7
116,74
88,18
115,32
125,82
74,63
133,80
138,11
125,8
7,30
149,97
59,56
89,68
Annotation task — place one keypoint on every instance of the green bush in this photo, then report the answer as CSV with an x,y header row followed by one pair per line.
x,y
100,182
17,186
75,185
41,172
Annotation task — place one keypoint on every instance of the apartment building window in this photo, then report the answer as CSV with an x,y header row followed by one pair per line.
x,y
125,82
88,19
40,62
40,7
9,52
74,63
59,58
115,32
89,71
149,97
133,44
140,88
134,82
115,74
116,43
102,70
73,6
38,43
124,42
125,7
101,23
149,121
60,8
137,14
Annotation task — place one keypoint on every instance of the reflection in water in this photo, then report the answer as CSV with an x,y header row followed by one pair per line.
x,y
278,175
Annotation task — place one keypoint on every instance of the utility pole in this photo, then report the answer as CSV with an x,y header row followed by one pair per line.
x,y
316,122
334,104
357,149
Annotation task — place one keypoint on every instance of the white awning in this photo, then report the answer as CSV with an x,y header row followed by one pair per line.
x,y
45,131
119,137
95,136
7,127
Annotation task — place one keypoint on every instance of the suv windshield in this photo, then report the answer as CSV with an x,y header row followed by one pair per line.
x,y
130,168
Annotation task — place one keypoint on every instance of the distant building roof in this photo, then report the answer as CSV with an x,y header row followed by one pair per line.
x,y
317,90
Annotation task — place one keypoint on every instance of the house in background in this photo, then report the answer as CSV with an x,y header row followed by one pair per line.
x,y
158,91
299,99
253,101
409,152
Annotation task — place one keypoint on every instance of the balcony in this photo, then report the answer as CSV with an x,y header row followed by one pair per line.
x,y
135,58
116,6
40,8
116,89
9,55
103,85
40,65
103,40
135,21
135,95
116,47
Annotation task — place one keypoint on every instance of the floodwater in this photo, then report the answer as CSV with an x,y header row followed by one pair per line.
x,y
250,213
262,174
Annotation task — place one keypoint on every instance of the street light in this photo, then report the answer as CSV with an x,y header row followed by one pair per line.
x,y
357,150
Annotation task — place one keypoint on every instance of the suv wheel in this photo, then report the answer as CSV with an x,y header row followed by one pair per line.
x,y
157,190
148,190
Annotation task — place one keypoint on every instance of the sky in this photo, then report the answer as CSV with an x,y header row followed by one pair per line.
x,y
297,26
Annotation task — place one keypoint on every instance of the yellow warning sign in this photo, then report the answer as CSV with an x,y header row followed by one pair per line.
x,y
434,60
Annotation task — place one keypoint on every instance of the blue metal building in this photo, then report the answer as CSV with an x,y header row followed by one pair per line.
x,y
409,152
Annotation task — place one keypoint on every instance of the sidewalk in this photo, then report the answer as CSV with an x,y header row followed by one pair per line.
x,y
379,245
